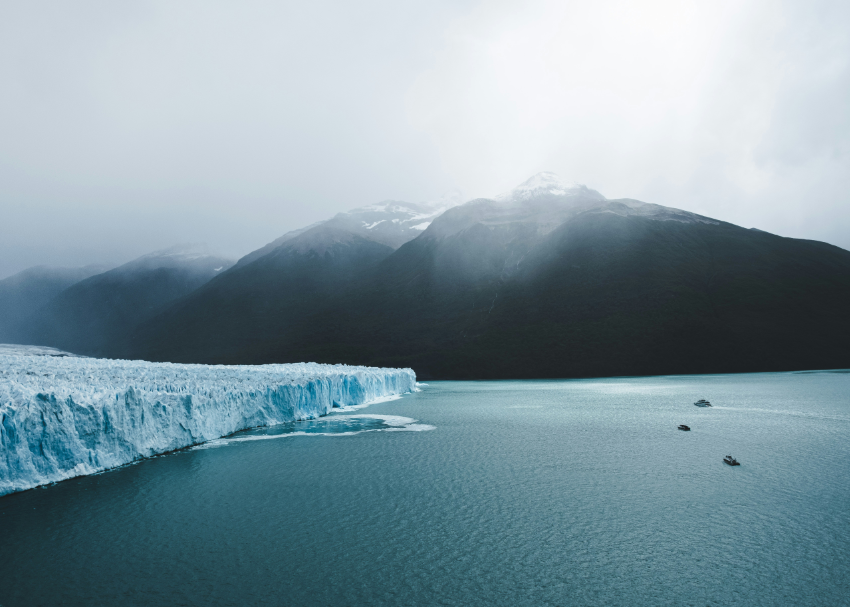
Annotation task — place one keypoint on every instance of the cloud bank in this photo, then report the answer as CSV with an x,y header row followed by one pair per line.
x,y
128,128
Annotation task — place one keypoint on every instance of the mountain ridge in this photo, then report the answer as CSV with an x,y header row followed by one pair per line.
x,y
558,282
28,290
95,316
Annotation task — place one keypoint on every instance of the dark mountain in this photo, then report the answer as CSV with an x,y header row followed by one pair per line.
x,y
96,316
29,290
262,300
267,290
550,280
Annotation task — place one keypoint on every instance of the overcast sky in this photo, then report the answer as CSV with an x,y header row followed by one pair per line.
x,y
130,127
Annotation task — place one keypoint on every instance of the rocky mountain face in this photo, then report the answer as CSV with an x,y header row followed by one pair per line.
x,y
95,316
550,279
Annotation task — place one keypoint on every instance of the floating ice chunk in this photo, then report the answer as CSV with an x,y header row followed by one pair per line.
x,y
388,423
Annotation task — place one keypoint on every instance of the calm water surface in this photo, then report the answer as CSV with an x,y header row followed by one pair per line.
x,y
502,493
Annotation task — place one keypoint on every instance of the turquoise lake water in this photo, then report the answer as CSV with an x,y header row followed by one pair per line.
x,y
471,493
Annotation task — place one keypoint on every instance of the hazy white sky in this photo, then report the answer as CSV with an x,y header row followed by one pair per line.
x,y
128,127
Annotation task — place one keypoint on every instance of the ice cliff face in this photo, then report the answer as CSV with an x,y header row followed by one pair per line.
x,y
64,417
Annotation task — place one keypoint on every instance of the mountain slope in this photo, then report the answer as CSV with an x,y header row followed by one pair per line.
x,y
554,280
96,315
262,300
29,290
607,294
262,297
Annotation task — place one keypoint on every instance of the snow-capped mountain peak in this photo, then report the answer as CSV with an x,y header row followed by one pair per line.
x,y
182,255
547,184
185,251
389,222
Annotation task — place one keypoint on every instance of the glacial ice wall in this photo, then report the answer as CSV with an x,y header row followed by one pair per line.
x,y
64,417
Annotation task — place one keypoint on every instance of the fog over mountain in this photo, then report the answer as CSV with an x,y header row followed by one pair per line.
x,y
129,127
550,279
29,290
96,315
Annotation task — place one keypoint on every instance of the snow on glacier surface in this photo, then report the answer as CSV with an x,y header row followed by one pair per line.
x,y
62,417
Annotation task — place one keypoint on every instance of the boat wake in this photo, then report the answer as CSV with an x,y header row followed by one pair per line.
x,y
790,413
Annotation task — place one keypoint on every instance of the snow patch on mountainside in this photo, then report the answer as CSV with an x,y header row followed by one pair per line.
x,y
402,217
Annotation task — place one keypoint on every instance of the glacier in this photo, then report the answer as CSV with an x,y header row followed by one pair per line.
x,y
65,416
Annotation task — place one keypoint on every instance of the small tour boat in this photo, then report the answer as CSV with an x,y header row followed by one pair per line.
x,y
684,427
702,403
731,461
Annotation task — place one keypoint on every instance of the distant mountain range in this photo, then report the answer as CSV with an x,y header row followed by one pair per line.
x,y
551,279
95,314
29,290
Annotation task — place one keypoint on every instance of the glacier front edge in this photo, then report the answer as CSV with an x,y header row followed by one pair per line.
x,y
62,417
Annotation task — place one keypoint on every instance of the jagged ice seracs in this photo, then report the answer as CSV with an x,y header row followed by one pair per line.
x,y
62,417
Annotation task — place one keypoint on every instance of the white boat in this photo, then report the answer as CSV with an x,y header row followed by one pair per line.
x,y
702,403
